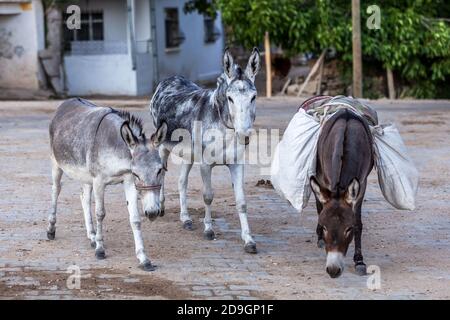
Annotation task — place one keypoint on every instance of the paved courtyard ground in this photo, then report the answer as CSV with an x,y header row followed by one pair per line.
x,y
411,249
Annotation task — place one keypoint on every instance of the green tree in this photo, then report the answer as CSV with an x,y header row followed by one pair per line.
x,y
414,39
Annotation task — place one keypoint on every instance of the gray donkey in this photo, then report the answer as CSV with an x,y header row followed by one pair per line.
x,y
230,107
100,146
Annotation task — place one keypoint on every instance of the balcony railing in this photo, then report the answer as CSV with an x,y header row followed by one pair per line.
x,y
106,47
98,47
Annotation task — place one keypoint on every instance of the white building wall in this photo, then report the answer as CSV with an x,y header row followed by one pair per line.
x,y
113,75
144,74
142,20
108,74
104,74
195,59
21,36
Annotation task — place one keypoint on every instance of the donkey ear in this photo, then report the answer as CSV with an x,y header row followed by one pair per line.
x,y
228,63
253,65
318,191
128,136
160,135
352,192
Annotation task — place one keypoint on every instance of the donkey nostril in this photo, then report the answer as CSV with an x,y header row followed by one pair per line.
x,y
152,214
334,272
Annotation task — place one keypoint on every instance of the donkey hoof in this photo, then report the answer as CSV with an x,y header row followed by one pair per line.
x,y
361,269
100,254
187,225
162,212
320,244
250,248
147,266
51,235
209,235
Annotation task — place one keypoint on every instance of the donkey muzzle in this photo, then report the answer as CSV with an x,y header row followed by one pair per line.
x,y
335,264
153,214
334,271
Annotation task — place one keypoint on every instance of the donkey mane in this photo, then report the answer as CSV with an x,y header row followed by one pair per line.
x,y
239,73
219,94
222,82
134,122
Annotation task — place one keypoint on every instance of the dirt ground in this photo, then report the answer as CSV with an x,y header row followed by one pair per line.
x,y
411,249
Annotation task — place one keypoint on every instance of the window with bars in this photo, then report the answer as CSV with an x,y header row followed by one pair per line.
x,y
174,37
92,27
211,32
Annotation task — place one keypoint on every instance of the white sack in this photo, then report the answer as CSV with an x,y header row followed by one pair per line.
x,y
294,159
294,162
397,176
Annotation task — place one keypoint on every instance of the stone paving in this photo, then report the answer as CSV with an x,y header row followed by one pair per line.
x,y
412,249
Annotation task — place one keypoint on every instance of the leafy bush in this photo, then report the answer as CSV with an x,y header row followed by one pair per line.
x,y
414,39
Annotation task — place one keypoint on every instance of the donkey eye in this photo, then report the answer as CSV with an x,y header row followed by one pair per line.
x,y
348,231
231,100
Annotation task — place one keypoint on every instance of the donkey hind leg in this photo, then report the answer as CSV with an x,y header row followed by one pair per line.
x,y
208,196
164,154
360,266
86,204
56,188
319,229
99,197
182,187
237,178
135,222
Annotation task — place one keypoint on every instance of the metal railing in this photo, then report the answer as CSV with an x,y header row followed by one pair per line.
x,y
98,47
106,47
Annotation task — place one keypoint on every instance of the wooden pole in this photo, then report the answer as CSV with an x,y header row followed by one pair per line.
x,y
390,81
286,85
356,40
319,81
268,65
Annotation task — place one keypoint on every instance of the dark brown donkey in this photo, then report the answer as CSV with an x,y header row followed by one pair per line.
x,y
344,160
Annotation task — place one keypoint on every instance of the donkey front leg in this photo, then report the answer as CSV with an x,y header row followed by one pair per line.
x,y
182,187
56,188
360,266
319,228
208,196
99,197
86,204
164,154
135,222
237,178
